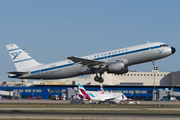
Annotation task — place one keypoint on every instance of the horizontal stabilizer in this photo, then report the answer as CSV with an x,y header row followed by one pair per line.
x,y
18,73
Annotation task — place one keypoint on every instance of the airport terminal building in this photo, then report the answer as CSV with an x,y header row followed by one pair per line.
x,y
136,85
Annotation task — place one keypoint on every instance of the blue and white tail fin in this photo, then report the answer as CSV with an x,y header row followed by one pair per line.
x,y
21,59
102,90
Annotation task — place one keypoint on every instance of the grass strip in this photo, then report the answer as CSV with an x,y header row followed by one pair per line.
x,y
44,105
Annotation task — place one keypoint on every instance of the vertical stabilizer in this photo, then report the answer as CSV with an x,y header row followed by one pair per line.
x,y
82,91
21,59
102,90
124,97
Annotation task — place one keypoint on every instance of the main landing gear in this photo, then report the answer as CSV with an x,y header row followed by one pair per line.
x,y
97,78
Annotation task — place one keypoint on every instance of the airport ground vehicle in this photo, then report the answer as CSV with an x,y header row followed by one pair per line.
x,y
130,102
137,102
55,97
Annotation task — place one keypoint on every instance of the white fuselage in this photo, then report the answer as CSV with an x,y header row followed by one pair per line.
x,y
101,97
129,56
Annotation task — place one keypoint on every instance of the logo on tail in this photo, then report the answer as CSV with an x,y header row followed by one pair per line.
x,y
82,92
102,90
15,54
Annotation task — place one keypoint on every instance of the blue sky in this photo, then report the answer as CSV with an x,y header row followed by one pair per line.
x,y
50,29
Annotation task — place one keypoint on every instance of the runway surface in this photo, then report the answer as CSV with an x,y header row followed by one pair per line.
x,y
101,116
116,109
68,101
23,113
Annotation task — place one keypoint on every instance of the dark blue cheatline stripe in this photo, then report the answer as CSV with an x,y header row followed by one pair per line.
x,y
101,58
14,49
53,68
126,53
23,60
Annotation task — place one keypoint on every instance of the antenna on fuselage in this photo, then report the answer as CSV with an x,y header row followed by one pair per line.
x,y
64,57
25,50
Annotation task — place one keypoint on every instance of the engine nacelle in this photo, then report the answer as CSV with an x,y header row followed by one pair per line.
x,y
117,68
117,101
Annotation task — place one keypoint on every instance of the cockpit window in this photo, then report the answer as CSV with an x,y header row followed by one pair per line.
x,y
163,45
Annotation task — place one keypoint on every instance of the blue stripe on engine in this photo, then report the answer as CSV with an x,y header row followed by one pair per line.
x,y
23,60
100,58
14,49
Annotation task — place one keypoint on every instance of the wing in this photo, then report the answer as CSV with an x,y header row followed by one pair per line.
x,y
89,63
108,98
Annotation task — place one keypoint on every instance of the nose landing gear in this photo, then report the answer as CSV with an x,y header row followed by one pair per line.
x,y
154,64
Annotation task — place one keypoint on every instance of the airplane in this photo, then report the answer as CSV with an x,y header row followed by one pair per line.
x,y
101,97
112,62
121,96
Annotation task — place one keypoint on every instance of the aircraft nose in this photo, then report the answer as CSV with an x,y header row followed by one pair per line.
x,y
173,50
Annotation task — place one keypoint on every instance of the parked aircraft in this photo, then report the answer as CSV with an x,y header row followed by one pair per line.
x,y
101,97
121,96
114,62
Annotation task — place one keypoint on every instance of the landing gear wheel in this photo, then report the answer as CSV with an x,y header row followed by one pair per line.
x,y
101,80
96,78
155,68
154,64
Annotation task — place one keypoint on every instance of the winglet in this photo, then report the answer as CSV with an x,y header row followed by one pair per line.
x,y
64,57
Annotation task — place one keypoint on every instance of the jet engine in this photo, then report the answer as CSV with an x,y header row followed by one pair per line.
x,y
117,68
117,101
